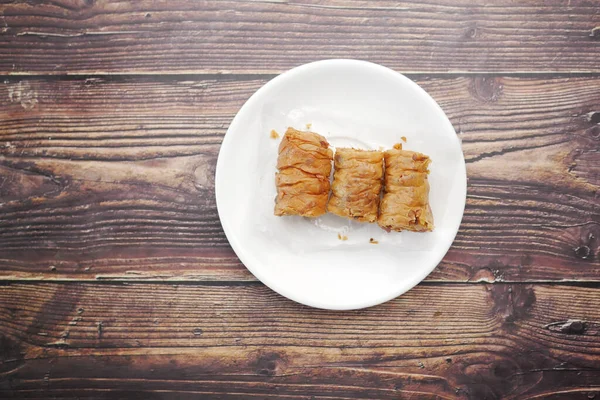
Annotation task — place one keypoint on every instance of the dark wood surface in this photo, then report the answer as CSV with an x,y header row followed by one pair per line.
x,y
270,36
454,341
117,281
130,194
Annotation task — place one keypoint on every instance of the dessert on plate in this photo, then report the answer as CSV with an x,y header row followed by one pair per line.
x,y
356,184
302,180
405,201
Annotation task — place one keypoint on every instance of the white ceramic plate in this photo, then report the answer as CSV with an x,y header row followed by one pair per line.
x,y
351,103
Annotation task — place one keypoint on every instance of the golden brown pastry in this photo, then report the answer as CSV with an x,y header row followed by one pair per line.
x,y
304,165
405,202
356,184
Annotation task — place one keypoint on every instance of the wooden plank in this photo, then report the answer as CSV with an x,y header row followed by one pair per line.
x,y
91,37
452,341
113,178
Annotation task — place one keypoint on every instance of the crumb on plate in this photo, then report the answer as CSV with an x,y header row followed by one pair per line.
x,y
274,134
398,146
342,237
403,139
308,126
373,241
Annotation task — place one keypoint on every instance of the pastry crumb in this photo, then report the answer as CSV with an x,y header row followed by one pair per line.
x,y
308,126
373,241
274,134
403,139
398,146
342,237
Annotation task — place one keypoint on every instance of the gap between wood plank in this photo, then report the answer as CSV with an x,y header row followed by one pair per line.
x,y
126,282
269,75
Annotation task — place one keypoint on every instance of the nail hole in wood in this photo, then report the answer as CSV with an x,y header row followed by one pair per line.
x,y
583,252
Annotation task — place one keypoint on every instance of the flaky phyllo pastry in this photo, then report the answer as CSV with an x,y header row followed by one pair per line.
x,y
304,165
356,184
405,202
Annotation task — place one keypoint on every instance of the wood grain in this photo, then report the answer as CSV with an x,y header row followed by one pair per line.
x,y
91,37
452,341
113,177
107,188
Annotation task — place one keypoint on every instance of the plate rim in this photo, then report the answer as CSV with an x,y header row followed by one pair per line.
x,y
247,259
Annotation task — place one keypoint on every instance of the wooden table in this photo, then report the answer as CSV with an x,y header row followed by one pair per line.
x,y
117,279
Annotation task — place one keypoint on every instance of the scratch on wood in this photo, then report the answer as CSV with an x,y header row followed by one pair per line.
x,y
72,35
270,1
556,56
22,93
571,326
5,27
331,7
59,344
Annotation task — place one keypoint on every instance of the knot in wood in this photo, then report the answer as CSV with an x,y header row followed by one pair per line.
x,y
204,175
583,252
267,363
512,302
470,33
486,89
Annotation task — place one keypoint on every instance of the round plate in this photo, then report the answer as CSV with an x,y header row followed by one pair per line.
x,y
351,103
